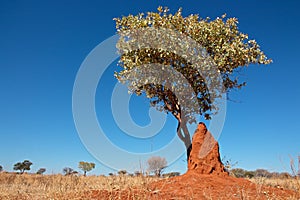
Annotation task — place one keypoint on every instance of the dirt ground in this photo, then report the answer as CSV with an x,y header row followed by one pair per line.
x,y
195,186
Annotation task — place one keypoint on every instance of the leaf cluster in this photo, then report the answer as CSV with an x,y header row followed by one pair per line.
x,y
86,166
226,47
22,166
41,171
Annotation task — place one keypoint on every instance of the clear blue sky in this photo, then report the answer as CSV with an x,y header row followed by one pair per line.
x,y
42,46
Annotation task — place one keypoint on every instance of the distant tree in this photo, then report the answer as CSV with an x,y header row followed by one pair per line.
x,y
41,171
22,166
156,165
171,174
241,173
262,173
249,174
138,173
275,174
68,171
122,172
238,172
86,166
110,174
1,168
18,166
285,175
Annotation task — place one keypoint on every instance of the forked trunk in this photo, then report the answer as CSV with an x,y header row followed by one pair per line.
x,y
184,135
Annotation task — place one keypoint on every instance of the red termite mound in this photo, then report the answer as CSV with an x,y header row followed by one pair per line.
x,y
205,156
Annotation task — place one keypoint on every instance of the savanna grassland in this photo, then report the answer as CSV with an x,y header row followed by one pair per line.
x,y
33,186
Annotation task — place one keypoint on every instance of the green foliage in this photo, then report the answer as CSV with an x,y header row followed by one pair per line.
x,y
22,166
258,173
41,171
183,65
86,166
225,44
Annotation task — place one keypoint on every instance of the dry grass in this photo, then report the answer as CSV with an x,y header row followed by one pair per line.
x,y
31,186
282,183
36,187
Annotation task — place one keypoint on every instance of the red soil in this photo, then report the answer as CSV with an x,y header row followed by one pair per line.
x,y
195,186
199,186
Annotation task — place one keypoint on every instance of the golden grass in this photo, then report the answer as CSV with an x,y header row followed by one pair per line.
x,y
39,187
32,186
282,183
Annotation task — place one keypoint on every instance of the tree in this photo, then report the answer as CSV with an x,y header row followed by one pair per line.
x,y
22,166
68,171
122,172
285,175
262,173
219,51
156,165
171,174
238,172
41,171
1,168
86,166
249,174
138,173
241,173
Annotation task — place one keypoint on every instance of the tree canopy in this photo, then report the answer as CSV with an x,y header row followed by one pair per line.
x,y
68,171
225,44
201,52
22,166
86,166
156,164
41,171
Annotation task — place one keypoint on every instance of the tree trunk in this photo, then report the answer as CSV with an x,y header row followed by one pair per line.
x,y
159,173
188,143
184,135
84,174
